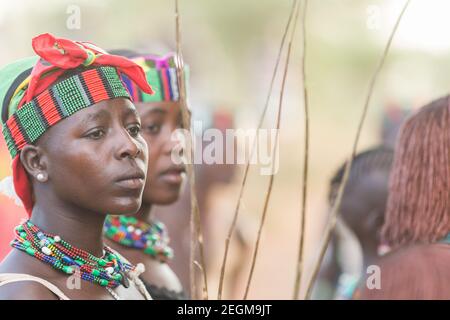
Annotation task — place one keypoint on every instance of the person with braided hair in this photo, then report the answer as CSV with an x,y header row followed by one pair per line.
x,y
417,221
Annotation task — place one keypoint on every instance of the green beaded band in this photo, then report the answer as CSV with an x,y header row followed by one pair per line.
x,y
60,101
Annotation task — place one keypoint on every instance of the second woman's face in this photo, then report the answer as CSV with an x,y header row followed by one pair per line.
x,y
159,121
97,158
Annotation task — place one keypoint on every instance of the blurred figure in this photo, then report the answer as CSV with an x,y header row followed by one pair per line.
x,y
213,181
11,216
355,241
417,222
361,213
10,213
356,237
393,118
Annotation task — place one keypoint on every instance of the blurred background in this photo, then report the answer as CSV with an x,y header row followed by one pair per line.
x,y
231,48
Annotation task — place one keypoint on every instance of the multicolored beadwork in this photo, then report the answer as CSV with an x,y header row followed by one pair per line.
x,y
107,271
152,238
61,101
161,75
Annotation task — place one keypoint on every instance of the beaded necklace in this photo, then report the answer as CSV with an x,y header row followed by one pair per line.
x,y
152,238
108,271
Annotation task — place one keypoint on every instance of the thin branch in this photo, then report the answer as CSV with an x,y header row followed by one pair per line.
x,y
247,164
198,266
335,209
299,269
195,223
269,190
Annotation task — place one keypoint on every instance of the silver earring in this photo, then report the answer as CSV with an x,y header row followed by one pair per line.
x,y
40,177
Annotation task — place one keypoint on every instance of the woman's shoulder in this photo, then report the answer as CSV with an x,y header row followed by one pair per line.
x,y
25,290
162,282
416,258
161,275
156,273
20,279
414,272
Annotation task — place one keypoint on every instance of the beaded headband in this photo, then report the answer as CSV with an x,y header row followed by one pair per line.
x,y
161,75
61,101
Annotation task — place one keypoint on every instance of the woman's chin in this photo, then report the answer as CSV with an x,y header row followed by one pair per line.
x,y
126,206
163,198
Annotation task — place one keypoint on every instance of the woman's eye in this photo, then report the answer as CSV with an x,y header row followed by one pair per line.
x,y
153,129
96,134
134,130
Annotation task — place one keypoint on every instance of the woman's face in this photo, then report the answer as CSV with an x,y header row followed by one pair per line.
x,y
97,159
159,121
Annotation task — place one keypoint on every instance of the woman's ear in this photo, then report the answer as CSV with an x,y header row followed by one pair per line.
x,y
34,162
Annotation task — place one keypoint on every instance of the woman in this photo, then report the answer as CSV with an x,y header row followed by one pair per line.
x,y
417,221
74,137
140,237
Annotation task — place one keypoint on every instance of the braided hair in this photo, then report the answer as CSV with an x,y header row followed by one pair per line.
x,y
419,198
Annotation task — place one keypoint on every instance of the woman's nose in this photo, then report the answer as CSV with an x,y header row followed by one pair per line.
x,y
128,147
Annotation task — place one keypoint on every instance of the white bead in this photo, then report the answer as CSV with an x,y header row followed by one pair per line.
x,y
46,251
130,229
109,270
140,268
57,239
138,232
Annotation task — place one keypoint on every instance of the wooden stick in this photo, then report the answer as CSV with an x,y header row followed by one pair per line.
x,y
299,268
247,164
195,223
269,190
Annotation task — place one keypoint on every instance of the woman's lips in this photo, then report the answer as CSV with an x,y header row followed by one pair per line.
x,y
132,183
173,177
132,180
